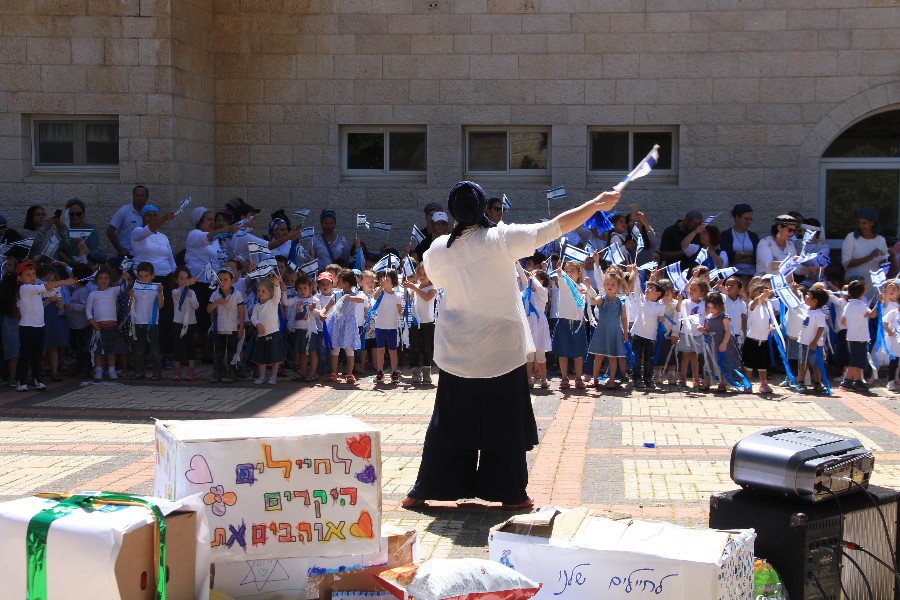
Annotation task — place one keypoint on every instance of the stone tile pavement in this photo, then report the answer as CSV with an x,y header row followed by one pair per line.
x,y
656,455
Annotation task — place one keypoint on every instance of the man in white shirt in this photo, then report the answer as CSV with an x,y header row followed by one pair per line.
x,y
126,219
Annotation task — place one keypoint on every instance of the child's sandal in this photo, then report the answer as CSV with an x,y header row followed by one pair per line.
x,y
331,377
190,374
351,378
564,383
310,378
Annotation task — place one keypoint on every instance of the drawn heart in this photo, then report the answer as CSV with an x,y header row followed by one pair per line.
x,y
199,472
361,447
363,527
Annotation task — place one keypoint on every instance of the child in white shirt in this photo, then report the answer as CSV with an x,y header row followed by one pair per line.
x,y
811,340
690,341
855,319
184,323
650,314
101,313
389,309
147,300
267,349
228,325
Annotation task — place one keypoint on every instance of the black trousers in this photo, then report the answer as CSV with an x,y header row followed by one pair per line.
x,y
453,473
421,345
80,340
166,314
202,291
225,347
147,339
643,355
31,353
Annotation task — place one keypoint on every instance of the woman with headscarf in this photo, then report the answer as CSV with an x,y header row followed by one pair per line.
x,y
739,243
281,233
483,424
864,250
330,247
774,248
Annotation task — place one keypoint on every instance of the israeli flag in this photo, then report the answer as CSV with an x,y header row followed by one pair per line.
x,y
556,193
643,168
260,250
309,267
145,287
822,258
809,232
267,266
878,277
409,270
184,204
787,266
307,233
507,205
79,234
26,243
778,281
91,277
702,256
302,213
575,253
243,222
417,236
710,219
638,239
647,266
361,221
615,254
787,297
382,226
676,276
127,264
389,261
722,273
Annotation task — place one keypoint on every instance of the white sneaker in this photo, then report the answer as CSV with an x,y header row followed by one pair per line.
x,y
37,385
892,386
259,381
112,374
273,380
98,374
21,387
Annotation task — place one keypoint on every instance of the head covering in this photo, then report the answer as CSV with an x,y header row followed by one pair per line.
x,y
99,255
227,213
325,276
327,214
147,208
432,206
225,270
466,203
740,209
240,207
197,214
786,220
440,216
3,221
73,202
24,266
273,224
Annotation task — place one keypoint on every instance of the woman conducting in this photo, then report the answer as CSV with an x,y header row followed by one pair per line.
x,y
483,424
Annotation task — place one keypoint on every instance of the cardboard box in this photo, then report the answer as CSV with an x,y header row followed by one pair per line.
x,y
579,553
277,488
301,578
108,553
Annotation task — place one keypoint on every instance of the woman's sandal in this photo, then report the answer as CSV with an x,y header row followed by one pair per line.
x,y
527,503
412,503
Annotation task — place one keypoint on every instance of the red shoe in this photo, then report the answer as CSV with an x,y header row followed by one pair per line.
x,y
351,378
528,503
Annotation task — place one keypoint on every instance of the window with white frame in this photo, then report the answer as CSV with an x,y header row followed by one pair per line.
x,y
385,151
614,151
516,151
88,144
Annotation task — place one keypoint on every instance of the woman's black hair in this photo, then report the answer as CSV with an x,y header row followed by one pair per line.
x,y
467,204
29,217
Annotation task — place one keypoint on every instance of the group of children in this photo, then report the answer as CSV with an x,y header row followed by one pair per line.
x,y
109,316
709,330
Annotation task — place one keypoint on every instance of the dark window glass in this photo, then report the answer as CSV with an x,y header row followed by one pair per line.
x,y
56,144
101,144
848,190
487,151
365,151
644,142
609,151
408,151
528,150
875,137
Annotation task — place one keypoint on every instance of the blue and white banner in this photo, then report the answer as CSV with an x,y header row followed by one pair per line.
x,y
722,273
787,297
361,221
556,193
417,236
307,233
389,261
309,267
383,226
145,287
615,254
302,213
409,269
506,204
575,253
638,239
676,276
184,204
643,168
710,219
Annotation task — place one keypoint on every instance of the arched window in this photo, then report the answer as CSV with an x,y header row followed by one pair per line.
x,y
861,168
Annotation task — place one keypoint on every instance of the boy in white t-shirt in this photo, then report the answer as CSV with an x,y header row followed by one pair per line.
x,y
390,307
736,309
144,295
856,320
649,314
812,338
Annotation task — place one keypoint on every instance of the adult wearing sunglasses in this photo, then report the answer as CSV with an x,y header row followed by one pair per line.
x,y
864,250
494,210
774,248
78,230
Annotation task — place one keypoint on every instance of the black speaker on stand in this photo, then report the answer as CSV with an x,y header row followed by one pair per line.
x,y
803,540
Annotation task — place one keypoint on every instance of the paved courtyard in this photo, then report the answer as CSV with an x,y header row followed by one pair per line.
x,y
656,455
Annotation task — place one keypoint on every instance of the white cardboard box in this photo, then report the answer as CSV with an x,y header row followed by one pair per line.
x,y
277,487
107,553
581,554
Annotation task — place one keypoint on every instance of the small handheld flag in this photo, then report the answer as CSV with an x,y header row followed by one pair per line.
x,y
575,253
307,233
417,236
638,239
643,168
389,261
302,213
787,266
90,277
243,222
878,277
722,273
409,270
126,264
555,194
710,219
615,254
648,266
702,255
80,234
787,297
600,220
267,266
676,277
382,226
145,287
184,204
309,267
361,222
506,204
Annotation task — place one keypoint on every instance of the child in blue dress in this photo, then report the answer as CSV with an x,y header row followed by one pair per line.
x,y
569,339
340,319
611,331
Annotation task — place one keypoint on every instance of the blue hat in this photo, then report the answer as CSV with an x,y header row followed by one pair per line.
x,y
147,208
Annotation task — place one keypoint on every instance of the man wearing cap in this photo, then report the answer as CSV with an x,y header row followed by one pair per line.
x,y
440,226
126,219
75,211
483,423
670,245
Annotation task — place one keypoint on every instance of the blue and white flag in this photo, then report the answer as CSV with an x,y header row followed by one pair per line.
x,y
145,287
307,233
722,273
648,266
638,239
778,281
243,222
417,236
361,221
184,204
809,232
822,258
676,276
90,277
787,266
127,264
787,297
258,252
615,254
878,277
79,234
556,193
389,261
26,243
575,253
309,267
710,219
643,168
505,203
383,226
302,213
409,269
269,265
702,256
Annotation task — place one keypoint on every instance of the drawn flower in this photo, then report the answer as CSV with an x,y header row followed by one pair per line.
x,y
218,498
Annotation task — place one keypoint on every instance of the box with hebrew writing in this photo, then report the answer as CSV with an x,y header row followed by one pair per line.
x,y
277,487
102,551
582,554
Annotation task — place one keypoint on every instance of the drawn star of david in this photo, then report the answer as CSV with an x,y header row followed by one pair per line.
x,y
264,571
